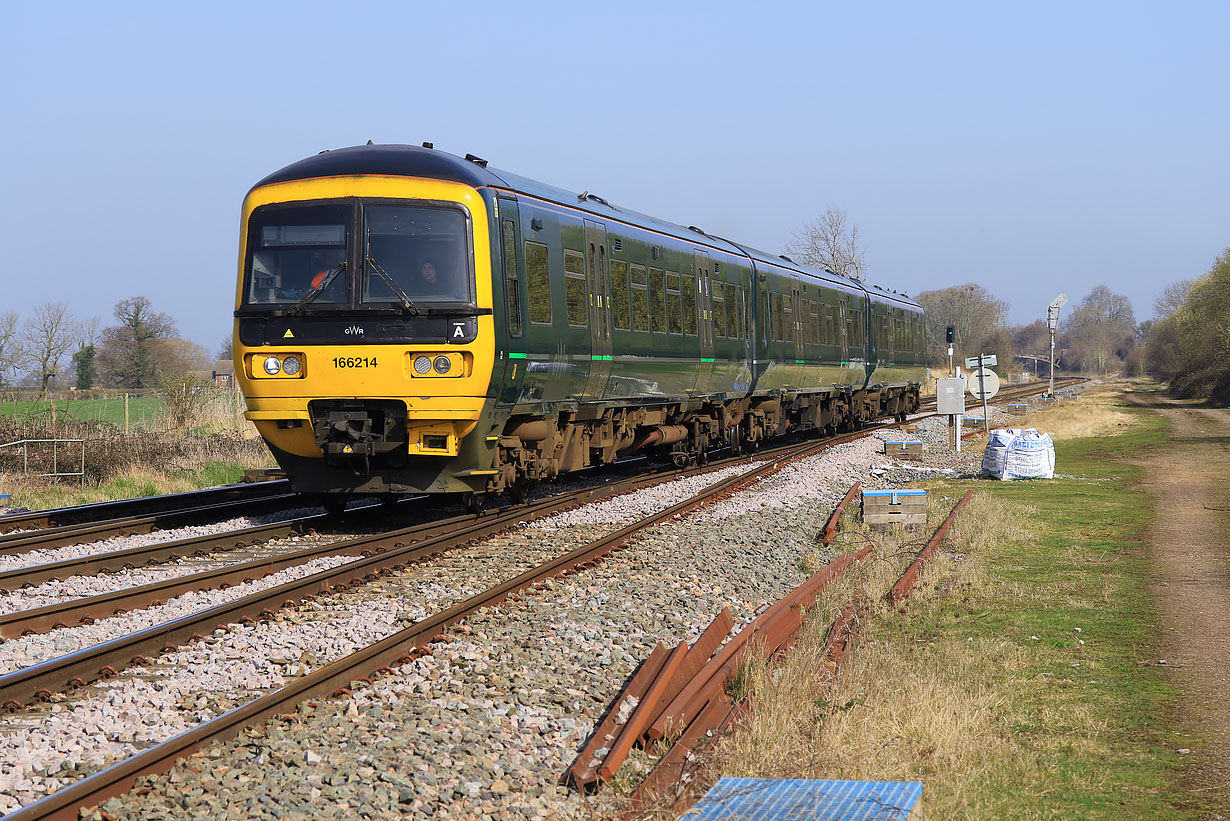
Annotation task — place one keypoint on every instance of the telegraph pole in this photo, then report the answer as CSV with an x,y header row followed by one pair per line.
x,y
1052,322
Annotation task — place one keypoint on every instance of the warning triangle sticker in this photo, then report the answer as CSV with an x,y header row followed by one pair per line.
x,y
288,334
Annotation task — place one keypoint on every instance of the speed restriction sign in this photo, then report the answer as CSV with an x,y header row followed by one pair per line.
x,y
983,383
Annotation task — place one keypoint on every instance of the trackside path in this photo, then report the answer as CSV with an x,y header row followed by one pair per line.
x,y
1189,544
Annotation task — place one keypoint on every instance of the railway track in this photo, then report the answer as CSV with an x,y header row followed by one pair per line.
x,y
337,675
146,506
88,609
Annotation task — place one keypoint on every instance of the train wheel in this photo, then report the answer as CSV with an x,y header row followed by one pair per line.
x,y
518,492
474,502
680,460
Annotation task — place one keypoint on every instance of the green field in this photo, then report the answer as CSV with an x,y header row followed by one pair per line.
x,y
142,410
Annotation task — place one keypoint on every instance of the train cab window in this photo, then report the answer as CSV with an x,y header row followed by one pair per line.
x,y
640,299
620,306
416,253
512,288
296,253
674,304
689,304
575,289
719,308
538,283
657,301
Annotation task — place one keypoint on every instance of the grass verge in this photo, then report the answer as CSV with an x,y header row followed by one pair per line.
x,y
1020,679
131,483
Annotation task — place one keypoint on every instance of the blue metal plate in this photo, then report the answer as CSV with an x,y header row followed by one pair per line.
x,y
772,799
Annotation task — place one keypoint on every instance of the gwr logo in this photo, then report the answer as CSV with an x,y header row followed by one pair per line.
x,y
354,330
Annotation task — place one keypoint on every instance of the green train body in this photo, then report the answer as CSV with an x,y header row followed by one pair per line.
x,y
571,332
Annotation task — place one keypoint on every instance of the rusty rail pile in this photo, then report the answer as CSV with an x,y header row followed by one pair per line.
x,y
683,692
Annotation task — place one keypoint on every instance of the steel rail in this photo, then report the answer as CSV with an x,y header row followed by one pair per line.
x,y
62,536
126,508
334,678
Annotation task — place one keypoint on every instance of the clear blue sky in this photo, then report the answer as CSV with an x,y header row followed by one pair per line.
x,y
1030,148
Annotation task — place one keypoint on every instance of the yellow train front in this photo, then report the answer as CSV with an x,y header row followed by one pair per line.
x,y
363,335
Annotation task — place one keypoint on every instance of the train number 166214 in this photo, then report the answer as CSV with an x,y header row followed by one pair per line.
x,y
354,361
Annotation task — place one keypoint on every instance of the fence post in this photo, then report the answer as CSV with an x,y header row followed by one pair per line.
x,y
125,414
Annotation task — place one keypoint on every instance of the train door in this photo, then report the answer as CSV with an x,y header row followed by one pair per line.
x,y
510,311
843,327
599,310
704,306
796,298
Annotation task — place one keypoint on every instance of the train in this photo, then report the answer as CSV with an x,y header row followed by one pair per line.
x,y
411,321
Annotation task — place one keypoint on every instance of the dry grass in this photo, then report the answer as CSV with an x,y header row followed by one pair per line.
x,y
910,704
1099,411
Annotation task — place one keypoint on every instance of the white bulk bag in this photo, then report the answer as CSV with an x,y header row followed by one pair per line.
x,y
1016,453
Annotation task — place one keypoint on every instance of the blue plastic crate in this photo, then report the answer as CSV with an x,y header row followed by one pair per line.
x,y
773,799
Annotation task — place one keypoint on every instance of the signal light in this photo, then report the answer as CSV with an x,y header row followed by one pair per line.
x,y
949,334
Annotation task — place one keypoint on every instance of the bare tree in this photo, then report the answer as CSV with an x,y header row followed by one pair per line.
x,y
47,336
1172,296
128,353
977,317
1101,331
12,355
827,242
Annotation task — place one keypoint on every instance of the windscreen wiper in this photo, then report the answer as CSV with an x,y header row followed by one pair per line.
x,y
317,290
410,307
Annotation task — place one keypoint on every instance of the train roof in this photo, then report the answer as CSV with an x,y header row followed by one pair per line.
x,y
415,161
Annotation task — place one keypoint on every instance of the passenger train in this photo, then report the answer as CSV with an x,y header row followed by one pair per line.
x,y
410,321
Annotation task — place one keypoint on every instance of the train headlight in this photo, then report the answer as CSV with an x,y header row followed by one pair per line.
x,y
422,365
442,364
291,365
272,365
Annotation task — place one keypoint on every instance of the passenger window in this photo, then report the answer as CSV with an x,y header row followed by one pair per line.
x,y
575,289
689,305
788,318
619,295
732,308
512,292
674,305
778,319
719,308
538,283
657,301
640,299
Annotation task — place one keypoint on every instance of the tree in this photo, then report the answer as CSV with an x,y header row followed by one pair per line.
x,y
1172,297
227,349
85,364
128,356
1101,331
1202,335
12,355
826,242
977,317
47,336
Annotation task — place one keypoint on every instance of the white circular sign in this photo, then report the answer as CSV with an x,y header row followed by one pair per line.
x,y
983,383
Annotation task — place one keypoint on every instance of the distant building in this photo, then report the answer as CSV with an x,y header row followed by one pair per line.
x,y
224,373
